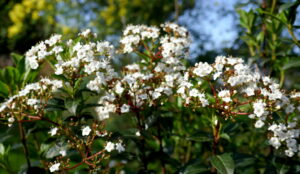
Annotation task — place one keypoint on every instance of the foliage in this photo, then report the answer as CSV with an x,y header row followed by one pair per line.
x,y
24,22
270,34
155,115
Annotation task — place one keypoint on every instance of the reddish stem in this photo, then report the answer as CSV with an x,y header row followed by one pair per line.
x,y
212,89
84,161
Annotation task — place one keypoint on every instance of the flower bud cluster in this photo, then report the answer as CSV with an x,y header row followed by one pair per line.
x,y
31,99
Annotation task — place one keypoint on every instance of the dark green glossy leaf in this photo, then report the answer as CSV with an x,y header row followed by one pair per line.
x,y
223,163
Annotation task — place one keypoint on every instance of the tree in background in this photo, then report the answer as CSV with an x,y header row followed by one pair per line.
x,y
271,36
26,22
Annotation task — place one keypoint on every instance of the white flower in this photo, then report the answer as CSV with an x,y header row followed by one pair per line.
x,y
54,167
53,39
53,131
290,109
289,153
59,70
249,91
216,75
103,112
33,63
57,49
194,93
240,68
86,131
138,134
85,33
143,96
92,67
63,152
225,95
295,95
109,146
259,108
119,89
125,108
202,69
252,116
156,95
203,100
119,147
266,80
11,119
274,141
259,124
32,102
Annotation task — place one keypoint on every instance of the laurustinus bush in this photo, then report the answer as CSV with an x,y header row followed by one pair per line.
x,y
81,102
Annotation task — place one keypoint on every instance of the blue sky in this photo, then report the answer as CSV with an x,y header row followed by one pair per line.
x,y
216,21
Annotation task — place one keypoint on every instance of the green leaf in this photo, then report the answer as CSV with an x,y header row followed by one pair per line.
x,y
54,150
16,58
286,6
223,163
71,105
292,63
195,169
201,137
2,149
10,75
225,136
282,169
4,90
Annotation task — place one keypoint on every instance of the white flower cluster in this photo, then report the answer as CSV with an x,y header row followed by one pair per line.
x,y
285,134
110,146
228,86
86,33
136,85
202,69
30,96
260,112
87,57
41,50
239,86
135,34
90,56
172,45
175,44
135,82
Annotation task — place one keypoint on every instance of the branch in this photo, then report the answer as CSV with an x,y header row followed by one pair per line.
x,y
84,161
23,140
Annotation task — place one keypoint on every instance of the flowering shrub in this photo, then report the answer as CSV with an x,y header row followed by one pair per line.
x,y
143,116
